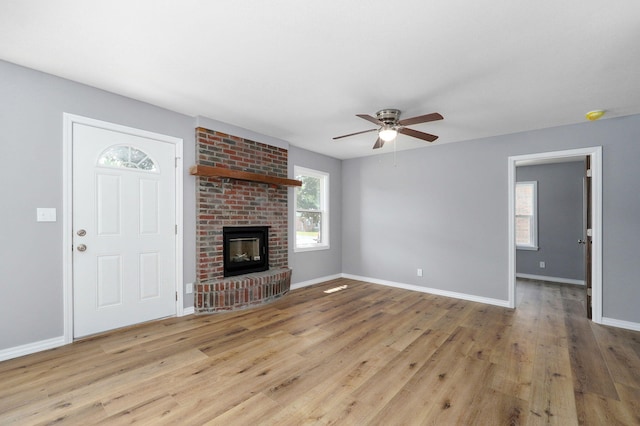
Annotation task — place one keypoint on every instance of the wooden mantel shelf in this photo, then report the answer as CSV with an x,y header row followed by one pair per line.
x,y
209,171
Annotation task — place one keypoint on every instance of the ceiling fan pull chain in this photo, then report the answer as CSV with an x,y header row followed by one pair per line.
x,y
395,142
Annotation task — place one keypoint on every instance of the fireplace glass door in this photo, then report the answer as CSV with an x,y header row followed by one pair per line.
x,y
245,250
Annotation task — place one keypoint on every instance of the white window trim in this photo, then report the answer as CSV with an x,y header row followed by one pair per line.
x,y
324,203
534,224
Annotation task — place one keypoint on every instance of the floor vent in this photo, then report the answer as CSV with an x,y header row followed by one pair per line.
x,y
333,290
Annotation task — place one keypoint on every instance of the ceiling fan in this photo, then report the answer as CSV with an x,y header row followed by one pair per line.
x,y
390,125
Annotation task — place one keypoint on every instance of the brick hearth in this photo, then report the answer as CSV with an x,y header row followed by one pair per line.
x,y
243,291
229,202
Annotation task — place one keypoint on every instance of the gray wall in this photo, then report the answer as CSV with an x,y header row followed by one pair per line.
x,y
434,210
321,263
444,209
560,193
31,302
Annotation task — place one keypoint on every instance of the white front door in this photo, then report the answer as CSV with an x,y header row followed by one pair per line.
x,y
124,222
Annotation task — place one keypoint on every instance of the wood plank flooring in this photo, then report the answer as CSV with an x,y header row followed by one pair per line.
x,y
368,354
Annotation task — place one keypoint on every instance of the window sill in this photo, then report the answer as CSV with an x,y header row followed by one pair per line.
x,y
529,248
311,248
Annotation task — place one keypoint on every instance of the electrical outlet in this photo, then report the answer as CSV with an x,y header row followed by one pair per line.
x,y
189,288
542,264
419,272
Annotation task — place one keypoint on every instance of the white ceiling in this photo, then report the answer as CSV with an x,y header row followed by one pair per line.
x,y
300,71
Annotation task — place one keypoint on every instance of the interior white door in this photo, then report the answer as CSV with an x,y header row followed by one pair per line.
x,y
124,223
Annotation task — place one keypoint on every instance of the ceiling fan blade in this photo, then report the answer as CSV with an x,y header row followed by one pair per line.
x,y
378,144
356,133
421,119
416,134
370,118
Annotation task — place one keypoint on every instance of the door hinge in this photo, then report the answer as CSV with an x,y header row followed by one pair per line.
x,y
176,229
176,296
589,173
589,292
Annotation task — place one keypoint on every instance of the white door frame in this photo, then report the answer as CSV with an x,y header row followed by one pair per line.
x,y
596,213
67,209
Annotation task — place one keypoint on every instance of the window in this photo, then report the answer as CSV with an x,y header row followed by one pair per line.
x,y
122,156
312,210
527,215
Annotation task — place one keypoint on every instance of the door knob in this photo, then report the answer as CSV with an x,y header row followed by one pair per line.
x,y
82,247
82,232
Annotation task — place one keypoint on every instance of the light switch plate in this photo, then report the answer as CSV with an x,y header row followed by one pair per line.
x,y
45,214
189,288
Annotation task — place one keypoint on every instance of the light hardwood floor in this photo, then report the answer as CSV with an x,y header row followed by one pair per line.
x,y
365,355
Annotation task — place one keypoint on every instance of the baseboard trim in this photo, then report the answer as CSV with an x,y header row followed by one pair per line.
x,y
31,348
552,279
621,324
188,311
438,292
315,281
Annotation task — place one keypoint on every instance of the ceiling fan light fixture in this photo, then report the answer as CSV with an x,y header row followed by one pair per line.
x,y
387,134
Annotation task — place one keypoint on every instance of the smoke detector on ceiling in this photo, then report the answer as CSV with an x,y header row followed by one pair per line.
x,y
594,115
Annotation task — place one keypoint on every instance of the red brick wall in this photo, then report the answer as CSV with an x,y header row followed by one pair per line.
x,y
229,202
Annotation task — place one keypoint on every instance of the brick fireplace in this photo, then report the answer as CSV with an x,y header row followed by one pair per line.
x,y
229,202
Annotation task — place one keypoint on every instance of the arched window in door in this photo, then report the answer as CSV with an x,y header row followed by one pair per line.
x,y
127,156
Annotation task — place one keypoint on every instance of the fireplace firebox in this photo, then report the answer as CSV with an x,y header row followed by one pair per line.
x,y
245,250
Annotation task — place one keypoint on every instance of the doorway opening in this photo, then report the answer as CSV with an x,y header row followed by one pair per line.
x,y
594,271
